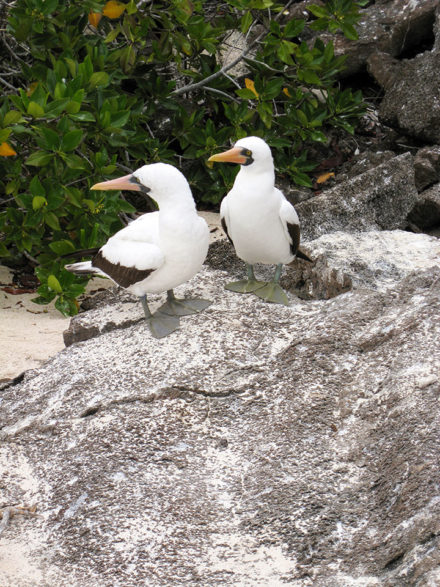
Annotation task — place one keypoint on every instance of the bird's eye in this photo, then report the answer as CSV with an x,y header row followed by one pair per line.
x,y
248,153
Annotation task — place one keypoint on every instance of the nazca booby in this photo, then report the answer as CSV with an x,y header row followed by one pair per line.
x,y
257,218
157,251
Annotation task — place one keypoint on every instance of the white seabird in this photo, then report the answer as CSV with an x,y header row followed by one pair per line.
x,y
256,217
159,250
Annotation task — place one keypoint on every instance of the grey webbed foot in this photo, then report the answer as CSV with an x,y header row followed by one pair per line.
x,y
272,292
161,324
183,307
245,285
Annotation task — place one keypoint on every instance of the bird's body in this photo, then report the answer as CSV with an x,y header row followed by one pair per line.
x,y
260,222
159,250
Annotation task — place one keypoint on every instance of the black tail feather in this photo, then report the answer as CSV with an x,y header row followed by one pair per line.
x,y
301,255
81,253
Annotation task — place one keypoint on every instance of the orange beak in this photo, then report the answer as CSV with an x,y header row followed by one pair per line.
x,y
234,155
121,183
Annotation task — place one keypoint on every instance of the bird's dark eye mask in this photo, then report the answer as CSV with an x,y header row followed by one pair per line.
x,y
248,156
143,188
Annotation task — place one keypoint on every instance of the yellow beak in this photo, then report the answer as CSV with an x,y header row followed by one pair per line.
x,y
234,155
121,183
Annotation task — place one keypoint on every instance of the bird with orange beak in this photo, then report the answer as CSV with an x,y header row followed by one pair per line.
x,y
159,250
256,217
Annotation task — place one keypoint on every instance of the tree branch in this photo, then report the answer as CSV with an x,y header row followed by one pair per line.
x,y
225,68
224,94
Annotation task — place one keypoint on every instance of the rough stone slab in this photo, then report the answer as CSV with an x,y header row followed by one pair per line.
x,y
375,260
393,27
257,445
412,88
379,199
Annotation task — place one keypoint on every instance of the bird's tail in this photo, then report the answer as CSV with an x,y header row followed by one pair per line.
x,y
84,268
301,255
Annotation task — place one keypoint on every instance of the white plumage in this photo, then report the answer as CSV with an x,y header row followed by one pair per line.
x,y
262,225
157,251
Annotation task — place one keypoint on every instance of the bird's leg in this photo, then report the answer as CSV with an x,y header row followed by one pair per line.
x,y
160,324
272,291
248,285
182,307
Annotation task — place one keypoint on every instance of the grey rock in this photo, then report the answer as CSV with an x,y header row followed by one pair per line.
x,y
393,28
375,260
379,199
427,167
412,88
426,212
257,445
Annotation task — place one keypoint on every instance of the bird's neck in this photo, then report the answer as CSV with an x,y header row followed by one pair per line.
x,y
262,177
178,205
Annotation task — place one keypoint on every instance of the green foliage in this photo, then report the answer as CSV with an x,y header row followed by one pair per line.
x,y
96,97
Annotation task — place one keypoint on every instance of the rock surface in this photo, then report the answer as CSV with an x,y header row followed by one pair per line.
x,y
258,445
393,27
380,198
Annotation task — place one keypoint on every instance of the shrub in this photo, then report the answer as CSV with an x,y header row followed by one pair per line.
x,y
106,86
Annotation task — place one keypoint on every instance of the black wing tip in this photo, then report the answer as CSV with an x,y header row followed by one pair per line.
x,y
303,256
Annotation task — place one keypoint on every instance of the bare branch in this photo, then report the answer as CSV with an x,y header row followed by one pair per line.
x,y
203,82
224,94
7,84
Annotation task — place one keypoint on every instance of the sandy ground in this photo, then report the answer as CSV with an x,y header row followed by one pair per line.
x,y
30,334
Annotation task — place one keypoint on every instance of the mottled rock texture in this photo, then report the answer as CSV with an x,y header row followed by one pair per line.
x,y
257,445
392,27
380,198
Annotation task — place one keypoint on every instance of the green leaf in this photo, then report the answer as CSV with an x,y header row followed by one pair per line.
x,y
54,108
35,110
302,117
349,31
66,306
11,117
54,284
72,65
73,161
318,11
71,140
44,299
62,247
38,202
99,78
112,35
4,134
51,219
73,107
39,159
4,251
51,138
120,119
294,27
36,188
83,117
283,53
245,93
246,21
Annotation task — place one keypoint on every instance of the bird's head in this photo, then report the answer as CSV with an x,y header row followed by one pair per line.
x,y
250,151
162,182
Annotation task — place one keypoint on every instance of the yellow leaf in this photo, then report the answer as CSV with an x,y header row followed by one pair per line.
x,y
31,88
94,18
6,150
251,86
113,9
286,91
324,177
